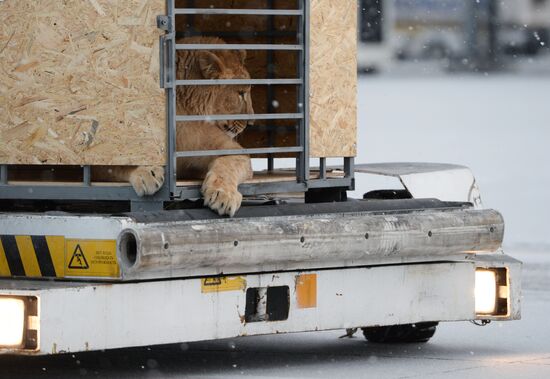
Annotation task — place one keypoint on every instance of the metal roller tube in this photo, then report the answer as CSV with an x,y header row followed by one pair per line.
x,y
231,246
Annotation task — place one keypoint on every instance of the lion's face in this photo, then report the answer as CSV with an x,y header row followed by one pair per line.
x,y
228,99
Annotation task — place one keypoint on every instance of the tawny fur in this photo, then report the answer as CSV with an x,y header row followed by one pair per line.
x,y
223,174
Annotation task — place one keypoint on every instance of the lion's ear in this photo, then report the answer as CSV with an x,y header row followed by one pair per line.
x,y
211,66
242,55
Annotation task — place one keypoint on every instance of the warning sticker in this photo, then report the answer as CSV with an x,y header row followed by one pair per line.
x,y
78,259
91,258
222,284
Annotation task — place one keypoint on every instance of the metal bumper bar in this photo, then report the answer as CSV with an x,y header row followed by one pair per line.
x,y
212,247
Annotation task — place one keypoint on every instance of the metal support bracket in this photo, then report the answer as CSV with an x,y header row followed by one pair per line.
x,y
164,23
3,174
146,206
165,46
166,42
87,175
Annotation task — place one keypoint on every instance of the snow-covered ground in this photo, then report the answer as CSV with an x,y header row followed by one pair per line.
x,y
497,125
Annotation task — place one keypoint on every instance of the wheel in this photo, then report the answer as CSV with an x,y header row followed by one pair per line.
x,y
408,333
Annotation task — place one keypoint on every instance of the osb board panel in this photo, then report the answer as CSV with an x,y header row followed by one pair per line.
x,y
79,82
333,78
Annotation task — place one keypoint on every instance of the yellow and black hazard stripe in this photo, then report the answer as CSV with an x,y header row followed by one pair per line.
x,y
31,256
42,256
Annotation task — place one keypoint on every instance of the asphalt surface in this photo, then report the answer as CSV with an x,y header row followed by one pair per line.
x,y
518,349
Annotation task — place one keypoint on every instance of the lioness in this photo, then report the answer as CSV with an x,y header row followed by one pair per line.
x,y
222,174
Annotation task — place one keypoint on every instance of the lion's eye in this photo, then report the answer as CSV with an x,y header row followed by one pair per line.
x,y
242,94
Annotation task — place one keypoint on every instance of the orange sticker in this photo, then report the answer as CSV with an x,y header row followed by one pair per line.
x,y
306,290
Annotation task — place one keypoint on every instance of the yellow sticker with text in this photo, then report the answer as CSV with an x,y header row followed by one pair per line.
x,y
95,258
222,284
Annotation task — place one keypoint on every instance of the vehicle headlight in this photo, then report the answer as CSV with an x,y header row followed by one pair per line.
x,y
491,292
12,322
19,322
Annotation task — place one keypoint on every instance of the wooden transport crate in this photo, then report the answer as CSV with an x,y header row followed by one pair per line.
x,y
79,80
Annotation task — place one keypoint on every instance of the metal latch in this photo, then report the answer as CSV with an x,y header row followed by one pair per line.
x,y
165,51
163,22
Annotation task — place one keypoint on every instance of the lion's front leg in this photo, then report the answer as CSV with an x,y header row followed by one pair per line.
x,y
146,180
222,175
220,186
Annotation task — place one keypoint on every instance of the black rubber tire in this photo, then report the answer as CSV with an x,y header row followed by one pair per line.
x,y
408,333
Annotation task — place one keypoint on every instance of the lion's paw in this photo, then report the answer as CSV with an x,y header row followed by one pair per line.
x,y
147,180
221,195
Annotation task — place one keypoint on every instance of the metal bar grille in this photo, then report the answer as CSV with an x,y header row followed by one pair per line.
x,y
270,73
243,12
171,171
237,46
242,34
212,82
233,117
322,168
252,189
3,174
213,153
302,166
87,175
302,37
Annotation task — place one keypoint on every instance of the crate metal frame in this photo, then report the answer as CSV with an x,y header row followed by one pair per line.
x,y
86,190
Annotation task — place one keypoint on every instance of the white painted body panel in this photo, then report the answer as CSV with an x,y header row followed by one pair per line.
x,y
63,224
105,316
